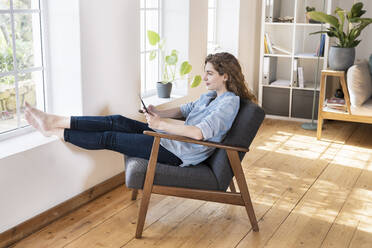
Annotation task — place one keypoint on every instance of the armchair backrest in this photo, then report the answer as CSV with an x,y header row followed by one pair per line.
x,y
242,133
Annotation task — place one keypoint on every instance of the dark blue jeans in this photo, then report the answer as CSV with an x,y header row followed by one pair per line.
x,y
116,133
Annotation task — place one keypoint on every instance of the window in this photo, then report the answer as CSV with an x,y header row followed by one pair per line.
x,y
212,19
21,61
150,14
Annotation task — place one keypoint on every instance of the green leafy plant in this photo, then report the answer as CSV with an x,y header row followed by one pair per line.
x,y
347,37
170,69
24,44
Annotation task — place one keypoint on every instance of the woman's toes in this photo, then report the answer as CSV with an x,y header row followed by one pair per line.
x,y
28,106
31,120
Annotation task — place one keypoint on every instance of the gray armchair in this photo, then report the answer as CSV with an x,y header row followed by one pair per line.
x,y
206,181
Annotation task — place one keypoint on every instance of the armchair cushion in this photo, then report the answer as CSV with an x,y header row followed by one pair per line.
x,y
196,177
359,83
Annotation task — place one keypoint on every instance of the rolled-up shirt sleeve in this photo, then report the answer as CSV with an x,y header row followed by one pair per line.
x,y
220,119
187,108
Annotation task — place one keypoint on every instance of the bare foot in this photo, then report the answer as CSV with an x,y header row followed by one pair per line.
x,y
46,122
33,122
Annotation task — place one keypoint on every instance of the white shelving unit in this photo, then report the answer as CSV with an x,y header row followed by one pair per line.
x,y
290,100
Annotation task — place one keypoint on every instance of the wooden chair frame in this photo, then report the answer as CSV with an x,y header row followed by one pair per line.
x,y
242,198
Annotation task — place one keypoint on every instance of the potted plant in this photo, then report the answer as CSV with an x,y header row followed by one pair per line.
x,y
342,55
171,70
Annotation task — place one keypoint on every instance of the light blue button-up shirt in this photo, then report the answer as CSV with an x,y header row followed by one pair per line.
x,y
214,116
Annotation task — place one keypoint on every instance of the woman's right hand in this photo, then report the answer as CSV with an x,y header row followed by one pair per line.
x,y
152,109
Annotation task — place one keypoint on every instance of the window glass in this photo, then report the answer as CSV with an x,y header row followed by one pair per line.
x,y
6,49
28,44
8,110
27,90
26,4
211,3
212,15
149,20
151,24
152,73
4,4
20,79
211,18
152,4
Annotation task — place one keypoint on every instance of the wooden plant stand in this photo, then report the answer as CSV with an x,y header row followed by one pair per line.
x,y
335,114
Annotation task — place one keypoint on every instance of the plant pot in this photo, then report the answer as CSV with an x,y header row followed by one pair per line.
x,y
341,58
164,90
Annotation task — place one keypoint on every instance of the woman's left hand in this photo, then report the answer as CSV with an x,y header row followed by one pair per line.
x,y
153,120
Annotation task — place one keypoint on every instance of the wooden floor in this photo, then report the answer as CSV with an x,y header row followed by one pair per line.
x,y
306,193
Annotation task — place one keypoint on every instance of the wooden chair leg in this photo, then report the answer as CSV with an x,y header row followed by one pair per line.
x,y
319,128
134,194
232,186
320,106
147,188
239,175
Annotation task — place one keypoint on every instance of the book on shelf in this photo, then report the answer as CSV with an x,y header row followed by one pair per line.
x,y
269,69
268,17
280,49
270,46
300,72
295,74
265,45
335,103
269,43
272,10
320,48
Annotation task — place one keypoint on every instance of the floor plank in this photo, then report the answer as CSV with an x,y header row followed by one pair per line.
x,y
81,221
352,226
309,223
306,193
120,228
288,179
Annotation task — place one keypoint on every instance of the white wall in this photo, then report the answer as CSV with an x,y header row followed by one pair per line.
x,y
94,62
110,56
62,20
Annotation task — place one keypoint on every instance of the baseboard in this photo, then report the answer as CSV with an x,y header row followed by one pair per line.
x,y
34,224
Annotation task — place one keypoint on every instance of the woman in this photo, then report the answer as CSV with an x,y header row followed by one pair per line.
x,y
208,118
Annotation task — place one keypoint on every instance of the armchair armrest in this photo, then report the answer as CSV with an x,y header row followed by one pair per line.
x,y
194,141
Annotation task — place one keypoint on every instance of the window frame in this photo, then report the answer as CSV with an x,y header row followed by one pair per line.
x,y
146,52
20,130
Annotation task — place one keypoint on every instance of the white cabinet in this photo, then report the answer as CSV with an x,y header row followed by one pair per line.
x,y
291,59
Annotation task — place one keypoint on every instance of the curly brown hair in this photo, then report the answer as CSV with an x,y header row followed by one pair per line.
x,y
227,63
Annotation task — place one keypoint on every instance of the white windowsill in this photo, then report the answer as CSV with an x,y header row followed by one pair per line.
x,y
156,101
23,143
